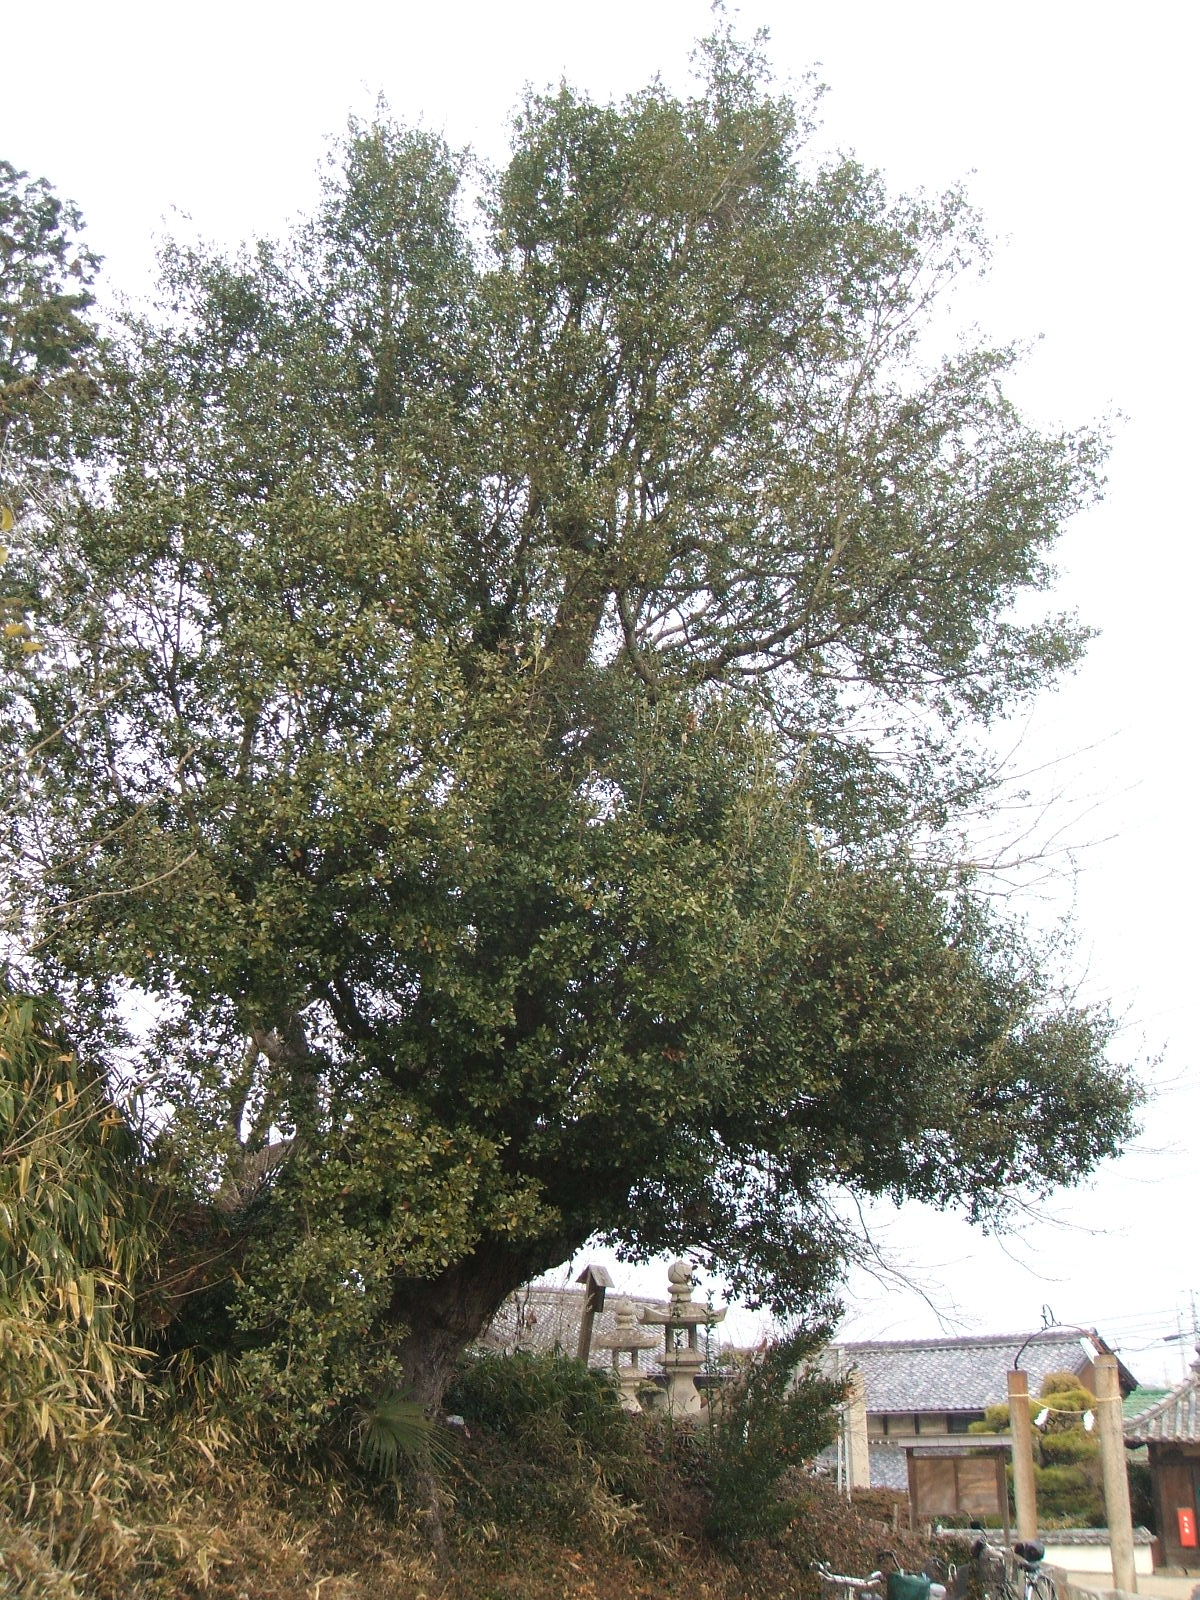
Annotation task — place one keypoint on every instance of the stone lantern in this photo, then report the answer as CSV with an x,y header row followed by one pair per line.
x,y
681,1323
626,1339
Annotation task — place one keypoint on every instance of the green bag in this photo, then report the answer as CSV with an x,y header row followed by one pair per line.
x,y
908,1586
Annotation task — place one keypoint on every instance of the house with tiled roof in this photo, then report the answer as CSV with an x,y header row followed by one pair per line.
x,y
918,1390
1170,1429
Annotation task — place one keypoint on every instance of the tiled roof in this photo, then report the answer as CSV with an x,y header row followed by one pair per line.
x,y
1174,1420
1141,1399
544,1319
889,1467
969,1374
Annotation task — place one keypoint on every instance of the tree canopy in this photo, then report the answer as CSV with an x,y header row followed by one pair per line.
x,y
507,702
46,338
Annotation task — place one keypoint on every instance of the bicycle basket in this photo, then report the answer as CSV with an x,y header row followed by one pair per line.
x,y
907,1586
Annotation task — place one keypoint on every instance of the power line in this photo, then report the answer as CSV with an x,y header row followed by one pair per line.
x,y
1161,1315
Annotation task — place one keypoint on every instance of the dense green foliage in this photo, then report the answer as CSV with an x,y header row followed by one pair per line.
x,y
506,1394
506,712
740,1460
774,1415
1068,1473
48,344
49,356
575,1458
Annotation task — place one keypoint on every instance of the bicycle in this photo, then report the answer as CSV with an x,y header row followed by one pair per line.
x,y
1015,1574
849,1588
879,1582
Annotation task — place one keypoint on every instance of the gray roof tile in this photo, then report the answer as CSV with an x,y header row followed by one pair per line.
x,y
968,1374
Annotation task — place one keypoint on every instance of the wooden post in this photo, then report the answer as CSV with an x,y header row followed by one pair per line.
x,y
1111,1423
1024,1484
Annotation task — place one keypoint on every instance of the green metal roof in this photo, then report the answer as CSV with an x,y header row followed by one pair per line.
x,y
1141,1399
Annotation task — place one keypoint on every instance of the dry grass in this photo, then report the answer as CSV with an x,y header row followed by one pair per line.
x,y
249,1535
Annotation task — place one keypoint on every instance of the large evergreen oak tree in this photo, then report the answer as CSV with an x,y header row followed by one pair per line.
x,y
506,701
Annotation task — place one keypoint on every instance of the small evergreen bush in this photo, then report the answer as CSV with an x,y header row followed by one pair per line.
x,y
509,1393
777,1413
1069,1497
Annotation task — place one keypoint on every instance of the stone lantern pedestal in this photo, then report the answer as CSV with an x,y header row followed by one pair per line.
x,y
626,1340
681,1323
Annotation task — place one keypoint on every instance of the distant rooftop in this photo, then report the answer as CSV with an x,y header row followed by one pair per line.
x,y
543,1318
1175,1419
1141,1399
966,1374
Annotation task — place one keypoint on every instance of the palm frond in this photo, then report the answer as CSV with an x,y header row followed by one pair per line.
x,y
396,1427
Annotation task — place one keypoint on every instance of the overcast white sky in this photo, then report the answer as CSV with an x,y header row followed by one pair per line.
x,y
1074,126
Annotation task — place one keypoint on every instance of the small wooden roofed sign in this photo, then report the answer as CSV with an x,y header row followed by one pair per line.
x,y
595,1280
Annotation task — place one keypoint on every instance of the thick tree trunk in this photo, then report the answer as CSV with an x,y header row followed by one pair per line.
x,y
443,1315
429,1361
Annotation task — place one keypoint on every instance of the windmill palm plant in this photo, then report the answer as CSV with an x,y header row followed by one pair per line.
x,y
397,1429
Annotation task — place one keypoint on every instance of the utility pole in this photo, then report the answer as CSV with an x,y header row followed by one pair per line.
x,y
1111,1423
1182,1339
1024,1484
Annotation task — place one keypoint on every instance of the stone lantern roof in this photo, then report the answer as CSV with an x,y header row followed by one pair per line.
x,y
682,1310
